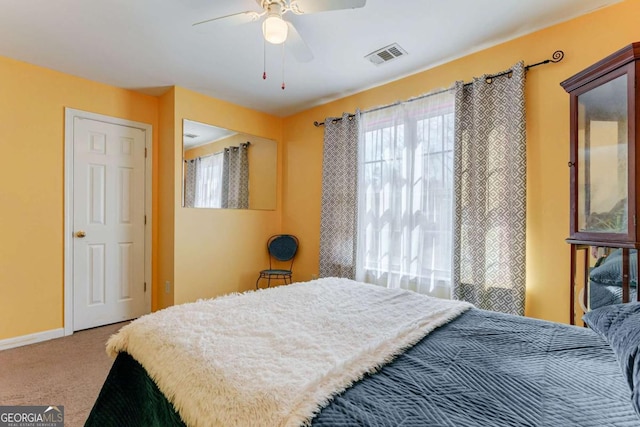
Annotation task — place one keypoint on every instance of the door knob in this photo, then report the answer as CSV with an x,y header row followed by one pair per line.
x,y
80,234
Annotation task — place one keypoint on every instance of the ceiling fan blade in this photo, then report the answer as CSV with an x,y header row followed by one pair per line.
x,y
313,6
297,45
228,20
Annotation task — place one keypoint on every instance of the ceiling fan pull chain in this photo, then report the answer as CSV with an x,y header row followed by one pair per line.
x,y
283,66
264,59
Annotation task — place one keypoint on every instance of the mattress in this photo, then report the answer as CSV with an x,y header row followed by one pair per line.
x,y
481,369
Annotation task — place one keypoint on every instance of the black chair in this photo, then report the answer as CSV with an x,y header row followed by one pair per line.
x,y
282,249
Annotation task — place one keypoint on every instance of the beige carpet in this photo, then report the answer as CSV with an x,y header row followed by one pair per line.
x,y
67,371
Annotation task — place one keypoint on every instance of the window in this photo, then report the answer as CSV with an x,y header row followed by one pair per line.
x,y
406,206
209,181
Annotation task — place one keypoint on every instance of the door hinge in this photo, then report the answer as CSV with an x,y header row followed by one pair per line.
x,y
145,152
145,286
634,221
145,220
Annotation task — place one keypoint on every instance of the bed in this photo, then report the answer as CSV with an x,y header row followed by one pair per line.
x,y
458,367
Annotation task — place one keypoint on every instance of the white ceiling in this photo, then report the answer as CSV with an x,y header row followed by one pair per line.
x,y
196,134
149,45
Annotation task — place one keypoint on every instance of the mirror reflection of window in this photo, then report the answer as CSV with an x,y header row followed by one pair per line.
x,y
208,181
227,169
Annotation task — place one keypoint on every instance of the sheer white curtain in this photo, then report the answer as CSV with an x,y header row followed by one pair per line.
x,y
405,212
208,181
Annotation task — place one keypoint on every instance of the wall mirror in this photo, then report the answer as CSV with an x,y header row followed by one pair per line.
x,y
226,169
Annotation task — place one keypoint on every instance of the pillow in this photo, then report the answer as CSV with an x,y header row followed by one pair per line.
x,y
619,324
609,272
602,319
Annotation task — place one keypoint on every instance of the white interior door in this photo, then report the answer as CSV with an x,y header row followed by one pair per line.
x,y
108,223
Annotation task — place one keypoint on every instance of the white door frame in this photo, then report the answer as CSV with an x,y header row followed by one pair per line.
x,y
70,115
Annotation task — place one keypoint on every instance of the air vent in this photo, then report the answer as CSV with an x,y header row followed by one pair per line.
x,y
386,54
190,135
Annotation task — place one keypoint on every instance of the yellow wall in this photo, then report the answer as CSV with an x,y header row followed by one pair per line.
x,y
218,251
165,156
31,185
214,147
263,176
584,40
210,252
207,252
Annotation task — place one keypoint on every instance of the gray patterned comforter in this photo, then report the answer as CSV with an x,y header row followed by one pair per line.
x,y
492,369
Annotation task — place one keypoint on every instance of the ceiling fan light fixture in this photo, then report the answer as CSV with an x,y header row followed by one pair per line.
x,y
275,29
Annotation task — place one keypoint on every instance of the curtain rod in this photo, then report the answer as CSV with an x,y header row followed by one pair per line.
x,y
246,144
235,147
557,56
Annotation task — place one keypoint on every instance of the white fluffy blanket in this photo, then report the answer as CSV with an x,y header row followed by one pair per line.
x,y
275,357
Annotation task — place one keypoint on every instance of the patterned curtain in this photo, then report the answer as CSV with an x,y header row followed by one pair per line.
x,y
224,194
189,183
338,221
236,177
490,193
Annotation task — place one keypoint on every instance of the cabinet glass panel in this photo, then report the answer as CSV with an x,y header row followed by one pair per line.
x,y
602,158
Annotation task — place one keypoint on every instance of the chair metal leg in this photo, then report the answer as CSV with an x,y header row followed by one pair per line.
x,y
286,279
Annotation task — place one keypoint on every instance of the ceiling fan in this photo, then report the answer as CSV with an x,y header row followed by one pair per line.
x,y
277,30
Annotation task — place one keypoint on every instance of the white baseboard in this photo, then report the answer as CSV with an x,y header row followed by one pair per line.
x,y
31,338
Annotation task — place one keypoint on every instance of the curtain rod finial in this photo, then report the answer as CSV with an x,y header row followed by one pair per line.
x,y
558,55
